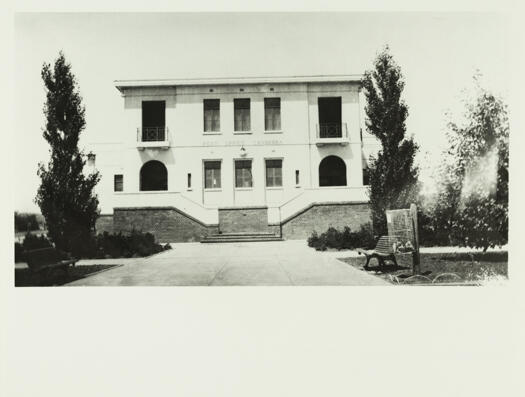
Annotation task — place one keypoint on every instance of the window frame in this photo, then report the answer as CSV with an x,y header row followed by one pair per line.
x,y
266,159
204,110
275,130
211,189
115,183
235,174
243,131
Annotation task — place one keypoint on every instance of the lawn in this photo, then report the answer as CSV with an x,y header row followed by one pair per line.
x,y
24,277
470,268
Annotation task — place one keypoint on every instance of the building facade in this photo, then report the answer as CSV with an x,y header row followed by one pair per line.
x,y
198,158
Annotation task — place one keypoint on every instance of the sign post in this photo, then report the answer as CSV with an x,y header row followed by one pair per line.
x,y
416,268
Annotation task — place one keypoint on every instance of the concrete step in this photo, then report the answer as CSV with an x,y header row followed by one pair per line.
x,y
243,234
238,238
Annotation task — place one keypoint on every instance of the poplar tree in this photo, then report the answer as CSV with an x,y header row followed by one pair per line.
x,y
393,175
65,196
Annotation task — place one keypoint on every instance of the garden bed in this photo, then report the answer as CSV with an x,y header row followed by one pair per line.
x,y
452,268
25,278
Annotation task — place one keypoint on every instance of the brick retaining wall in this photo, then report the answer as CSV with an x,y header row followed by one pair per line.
x,y
167,224
321,216
104,223
246,219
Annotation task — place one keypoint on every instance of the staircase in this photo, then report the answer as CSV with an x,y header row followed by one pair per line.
x,y
240,237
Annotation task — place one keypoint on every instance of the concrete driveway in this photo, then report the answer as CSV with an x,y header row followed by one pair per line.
x,y
259,263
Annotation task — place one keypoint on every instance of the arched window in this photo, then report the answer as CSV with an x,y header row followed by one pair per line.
x,y
332,172
153,176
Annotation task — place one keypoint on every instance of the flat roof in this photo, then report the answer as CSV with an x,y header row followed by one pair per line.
x,y
346,78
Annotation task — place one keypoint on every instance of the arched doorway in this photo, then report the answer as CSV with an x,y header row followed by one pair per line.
x,y
332,172
153,176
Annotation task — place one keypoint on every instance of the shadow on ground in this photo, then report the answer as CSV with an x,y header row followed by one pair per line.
x,y
440,268
25,278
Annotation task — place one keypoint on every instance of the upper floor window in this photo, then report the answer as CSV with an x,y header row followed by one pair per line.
x,y
212,174
272,114
243,173
118,183
242,114
212,120
330,125
274,173
153,121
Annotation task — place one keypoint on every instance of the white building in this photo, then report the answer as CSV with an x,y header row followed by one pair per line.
x,y
279,156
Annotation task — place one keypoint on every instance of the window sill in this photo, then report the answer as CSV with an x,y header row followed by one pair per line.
x,y
274,188
274,132
242,132
215,189
189,189
297,186
212,133
243,189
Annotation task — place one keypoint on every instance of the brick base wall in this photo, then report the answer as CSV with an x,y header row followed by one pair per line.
x,y
320,217
104,224
238,220
167,224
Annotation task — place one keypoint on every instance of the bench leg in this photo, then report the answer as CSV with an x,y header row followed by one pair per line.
x,y
394,260
381,262
367,261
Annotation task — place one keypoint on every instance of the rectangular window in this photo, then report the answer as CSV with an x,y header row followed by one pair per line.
x,y
212,120
212,175
272,114
118,183
243,173
242,114
297,177
189,181
274,173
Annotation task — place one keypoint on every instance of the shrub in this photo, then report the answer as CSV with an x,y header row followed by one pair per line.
x,y
120,245
313,240
33,242
345,239
19,253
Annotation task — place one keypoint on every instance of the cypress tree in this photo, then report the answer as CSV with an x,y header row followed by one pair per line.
x,y
393,175
65,195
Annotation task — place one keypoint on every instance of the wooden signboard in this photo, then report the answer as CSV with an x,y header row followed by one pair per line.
x,y
402,232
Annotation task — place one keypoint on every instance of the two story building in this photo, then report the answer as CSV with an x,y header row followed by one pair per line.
x,y
237,158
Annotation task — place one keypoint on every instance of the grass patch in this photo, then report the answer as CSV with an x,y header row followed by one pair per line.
x,y
469,267
24,277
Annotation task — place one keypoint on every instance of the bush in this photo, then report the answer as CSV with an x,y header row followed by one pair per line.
x,y
120,245
33,242
345,239
19,253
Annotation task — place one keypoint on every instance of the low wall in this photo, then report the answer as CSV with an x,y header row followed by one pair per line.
x,y
167,224
104,223
246,219
321,216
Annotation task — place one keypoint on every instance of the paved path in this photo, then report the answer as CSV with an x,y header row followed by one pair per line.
x,y
289,262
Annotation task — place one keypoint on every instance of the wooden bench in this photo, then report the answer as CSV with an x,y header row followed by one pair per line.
x,y
48,259
384,250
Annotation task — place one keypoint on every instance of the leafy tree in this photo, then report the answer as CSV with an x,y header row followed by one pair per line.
x,y
393,176
25,222
65,195
472,205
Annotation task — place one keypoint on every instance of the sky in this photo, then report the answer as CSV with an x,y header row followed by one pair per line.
x,y
438,55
